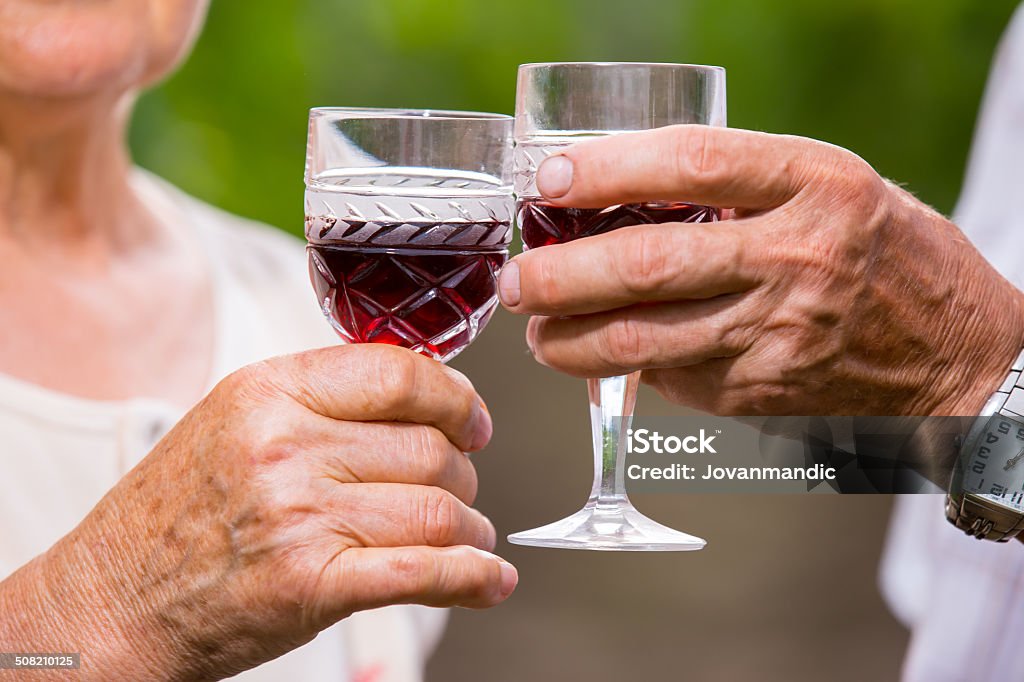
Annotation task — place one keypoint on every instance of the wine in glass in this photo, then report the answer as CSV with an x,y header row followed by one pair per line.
x,y
408,219
556,106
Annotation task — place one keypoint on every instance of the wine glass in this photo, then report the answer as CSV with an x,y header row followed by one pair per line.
x,y
408,219
557,105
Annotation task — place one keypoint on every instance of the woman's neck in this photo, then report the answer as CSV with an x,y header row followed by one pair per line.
x,y
88,271
64,178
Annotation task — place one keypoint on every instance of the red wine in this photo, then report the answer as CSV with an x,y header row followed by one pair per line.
x,y
542,224
432,300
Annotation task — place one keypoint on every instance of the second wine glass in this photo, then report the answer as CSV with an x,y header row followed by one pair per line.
x,y
558,105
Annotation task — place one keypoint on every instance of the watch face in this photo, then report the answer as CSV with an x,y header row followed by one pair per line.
x,y
994,469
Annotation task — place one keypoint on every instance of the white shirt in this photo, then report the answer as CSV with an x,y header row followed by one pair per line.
x,y
59,454
963,599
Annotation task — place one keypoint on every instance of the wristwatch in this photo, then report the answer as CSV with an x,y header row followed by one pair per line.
x,y
986,491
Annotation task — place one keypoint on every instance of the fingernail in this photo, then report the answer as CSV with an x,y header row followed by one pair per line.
x,y
509,577
508,284
483,427
554,177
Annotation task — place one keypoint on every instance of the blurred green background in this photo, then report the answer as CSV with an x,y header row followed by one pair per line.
x,y
896,81
787,587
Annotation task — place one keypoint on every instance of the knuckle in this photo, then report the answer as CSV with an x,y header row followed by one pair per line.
x,y
786,173
469,573
268,448
743,257
396,374
440,517
624,342
768,399
695,161
646,265
865,188
257,440
247,380
861,177
413,569
731,339
233,383
853,183
796,165
434,452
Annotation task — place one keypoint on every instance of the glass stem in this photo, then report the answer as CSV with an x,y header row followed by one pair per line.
x,y
611,412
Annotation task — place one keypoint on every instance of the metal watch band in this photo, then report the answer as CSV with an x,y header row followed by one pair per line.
x,y
974,515
1012,392
981,520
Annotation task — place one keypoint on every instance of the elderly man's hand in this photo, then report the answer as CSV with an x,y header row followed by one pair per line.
x,y
826,291
300,490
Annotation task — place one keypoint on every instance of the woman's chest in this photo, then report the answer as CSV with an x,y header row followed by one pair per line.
x,y
58,458
108,338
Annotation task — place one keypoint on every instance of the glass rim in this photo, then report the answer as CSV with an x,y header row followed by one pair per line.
x,y
653,65
408,114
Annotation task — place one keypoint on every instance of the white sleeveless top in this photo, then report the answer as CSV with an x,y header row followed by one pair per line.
x,y
59,454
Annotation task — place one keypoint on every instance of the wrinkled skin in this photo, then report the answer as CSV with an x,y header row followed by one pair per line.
x,y
827,290
300,490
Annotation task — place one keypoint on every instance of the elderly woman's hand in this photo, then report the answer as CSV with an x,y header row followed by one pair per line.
x,y
300,490
830,291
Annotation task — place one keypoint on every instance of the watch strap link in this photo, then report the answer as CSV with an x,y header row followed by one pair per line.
x,y
1012,391
974,515
983,521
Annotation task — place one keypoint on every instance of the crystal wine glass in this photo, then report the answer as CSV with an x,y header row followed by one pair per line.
x,y
408,219
557,105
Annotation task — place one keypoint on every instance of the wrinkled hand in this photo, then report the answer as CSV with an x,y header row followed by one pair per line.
x,y
827,291
300,490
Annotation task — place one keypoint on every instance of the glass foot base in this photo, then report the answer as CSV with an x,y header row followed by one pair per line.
x,y
610,528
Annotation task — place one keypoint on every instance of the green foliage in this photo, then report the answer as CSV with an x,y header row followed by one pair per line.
x,y
896,81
